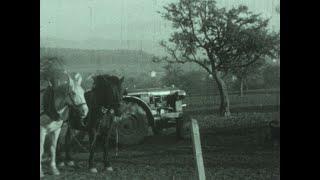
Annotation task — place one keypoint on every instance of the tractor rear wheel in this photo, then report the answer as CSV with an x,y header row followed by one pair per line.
x,y
133,127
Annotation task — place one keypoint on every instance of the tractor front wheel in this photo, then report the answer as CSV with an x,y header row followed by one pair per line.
x,y
183,127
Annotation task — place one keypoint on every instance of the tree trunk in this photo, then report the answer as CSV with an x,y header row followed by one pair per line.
x,y
241,87
246,84
224,98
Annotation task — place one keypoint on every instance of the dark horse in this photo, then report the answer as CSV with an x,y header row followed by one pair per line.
x,y
104,102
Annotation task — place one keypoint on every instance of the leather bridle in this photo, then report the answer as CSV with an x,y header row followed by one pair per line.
x,y
74,103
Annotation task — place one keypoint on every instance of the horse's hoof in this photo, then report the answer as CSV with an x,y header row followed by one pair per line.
x,y
55,171
93,170
109,169
70,163
61,164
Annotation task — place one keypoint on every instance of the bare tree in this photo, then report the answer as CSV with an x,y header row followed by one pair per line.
x,y
216,39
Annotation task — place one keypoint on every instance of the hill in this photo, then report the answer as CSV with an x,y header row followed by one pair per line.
x,y
125,62
102,44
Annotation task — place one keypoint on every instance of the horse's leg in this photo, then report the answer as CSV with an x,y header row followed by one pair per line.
x,y
92,140
60,159
68,140
107,164
55,135
42,140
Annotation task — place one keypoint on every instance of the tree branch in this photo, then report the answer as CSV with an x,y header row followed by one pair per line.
x,y
256,58
199,62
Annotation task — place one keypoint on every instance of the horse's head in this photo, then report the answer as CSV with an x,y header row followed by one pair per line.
x,y
75,95
109,92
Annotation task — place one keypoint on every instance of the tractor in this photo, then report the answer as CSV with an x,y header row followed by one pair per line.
x,y
152,109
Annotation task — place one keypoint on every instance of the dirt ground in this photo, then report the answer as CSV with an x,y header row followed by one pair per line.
x,y
233,148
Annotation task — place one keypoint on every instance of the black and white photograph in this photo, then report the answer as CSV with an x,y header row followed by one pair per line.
x,y
160,89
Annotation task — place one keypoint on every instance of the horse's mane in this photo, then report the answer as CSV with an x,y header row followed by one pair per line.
x,y
63,89
102,80
48,103
101,93
50,92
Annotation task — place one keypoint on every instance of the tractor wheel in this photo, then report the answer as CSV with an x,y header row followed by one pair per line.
x,y
133,127
183,127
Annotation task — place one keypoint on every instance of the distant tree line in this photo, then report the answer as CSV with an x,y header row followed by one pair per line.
x,y
198,82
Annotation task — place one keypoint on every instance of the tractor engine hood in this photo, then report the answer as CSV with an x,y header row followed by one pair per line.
x,y
156,92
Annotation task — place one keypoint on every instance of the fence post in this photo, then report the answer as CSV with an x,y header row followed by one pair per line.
x,y
196,143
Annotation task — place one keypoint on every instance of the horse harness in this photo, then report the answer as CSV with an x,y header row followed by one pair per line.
x,y
54,114
104,111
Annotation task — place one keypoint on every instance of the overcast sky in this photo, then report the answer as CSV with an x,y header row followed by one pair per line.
x,y
122,19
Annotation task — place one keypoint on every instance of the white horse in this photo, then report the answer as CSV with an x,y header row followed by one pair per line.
x,y
56,100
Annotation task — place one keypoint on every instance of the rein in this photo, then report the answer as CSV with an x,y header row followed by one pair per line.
x,y
78,142
114,123
104,110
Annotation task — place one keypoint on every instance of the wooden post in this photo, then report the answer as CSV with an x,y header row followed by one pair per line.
x,y
195,134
